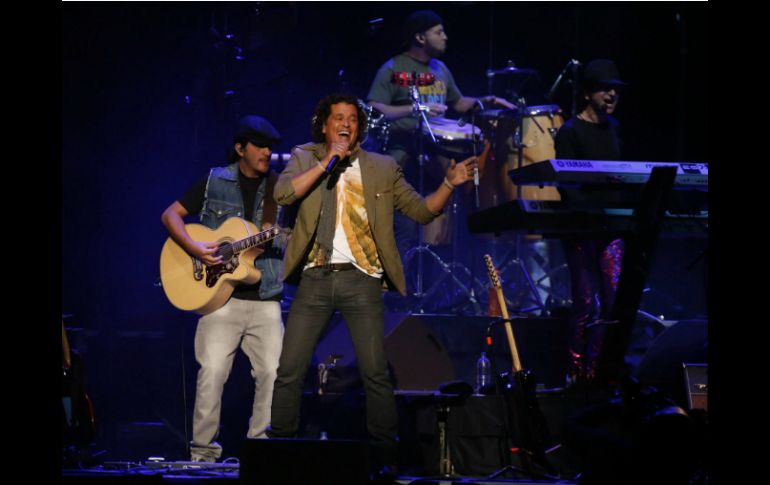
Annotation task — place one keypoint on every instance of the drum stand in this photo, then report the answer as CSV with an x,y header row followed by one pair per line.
x,y
513,258
424,297
534,286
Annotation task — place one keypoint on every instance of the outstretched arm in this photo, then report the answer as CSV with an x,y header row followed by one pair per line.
x,y
456,175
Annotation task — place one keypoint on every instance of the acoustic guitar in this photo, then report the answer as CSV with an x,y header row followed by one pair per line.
x,y
191,285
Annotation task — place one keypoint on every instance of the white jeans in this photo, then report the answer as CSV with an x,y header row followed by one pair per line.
x,y
254,326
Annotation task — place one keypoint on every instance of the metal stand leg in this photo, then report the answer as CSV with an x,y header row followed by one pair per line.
x,y
455,288
445,466
424,297
536,289
432,299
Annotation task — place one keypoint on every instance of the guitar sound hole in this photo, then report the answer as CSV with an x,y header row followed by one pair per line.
x,y
226,251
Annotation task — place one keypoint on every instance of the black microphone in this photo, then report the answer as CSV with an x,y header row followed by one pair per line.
x,y
332,163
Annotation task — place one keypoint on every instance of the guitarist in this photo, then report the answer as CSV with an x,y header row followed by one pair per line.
x,y
251,319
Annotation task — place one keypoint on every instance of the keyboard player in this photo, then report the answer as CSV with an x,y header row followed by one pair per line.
x,y
594,264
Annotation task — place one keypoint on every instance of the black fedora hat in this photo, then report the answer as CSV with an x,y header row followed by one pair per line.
x,y
601,72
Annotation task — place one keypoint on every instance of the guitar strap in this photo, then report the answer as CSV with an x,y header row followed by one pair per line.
x,y
270,211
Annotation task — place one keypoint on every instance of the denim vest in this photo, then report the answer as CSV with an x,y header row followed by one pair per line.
x,y
223,200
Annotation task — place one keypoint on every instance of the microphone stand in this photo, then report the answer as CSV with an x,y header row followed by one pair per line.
x,y
558,80
419,110
518,138
575,65
473,144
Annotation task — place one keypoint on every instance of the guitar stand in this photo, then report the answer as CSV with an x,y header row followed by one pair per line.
x,y
528,457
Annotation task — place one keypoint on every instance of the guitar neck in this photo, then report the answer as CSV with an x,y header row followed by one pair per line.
x,y
509,330
65,343
255,240
494,277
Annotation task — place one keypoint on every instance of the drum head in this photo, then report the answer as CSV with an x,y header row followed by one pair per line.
x,y
454,138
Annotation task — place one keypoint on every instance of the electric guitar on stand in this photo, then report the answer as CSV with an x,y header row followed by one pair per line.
x,y
528,427
191,285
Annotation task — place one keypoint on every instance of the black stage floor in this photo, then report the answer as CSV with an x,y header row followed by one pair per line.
x,y
126,473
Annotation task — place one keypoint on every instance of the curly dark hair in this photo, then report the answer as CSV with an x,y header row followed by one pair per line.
x,y
324,109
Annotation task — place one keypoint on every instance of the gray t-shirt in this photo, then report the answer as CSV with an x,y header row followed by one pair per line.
x,y
383,90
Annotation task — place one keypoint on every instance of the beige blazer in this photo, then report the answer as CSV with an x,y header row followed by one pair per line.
x,y
385,189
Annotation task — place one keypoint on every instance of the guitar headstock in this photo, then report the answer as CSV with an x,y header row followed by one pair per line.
x,y
494,277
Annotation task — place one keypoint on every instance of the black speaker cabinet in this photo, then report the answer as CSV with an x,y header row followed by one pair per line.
x,y
661,365
417,357
424,351
294,461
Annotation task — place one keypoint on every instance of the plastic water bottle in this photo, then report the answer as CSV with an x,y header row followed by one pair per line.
x,y
483,372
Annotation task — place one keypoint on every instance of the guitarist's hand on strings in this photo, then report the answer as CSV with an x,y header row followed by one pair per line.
x,y
205,252
173,220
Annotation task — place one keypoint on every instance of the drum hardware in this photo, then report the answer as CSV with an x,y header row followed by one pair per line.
x,y
377,133
468,290
511,69
410,81
449,133
551,131
513,258
509,132
538,291
521,75
477,204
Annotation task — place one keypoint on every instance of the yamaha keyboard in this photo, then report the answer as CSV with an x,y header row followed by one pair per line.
x,y
576,173
555,218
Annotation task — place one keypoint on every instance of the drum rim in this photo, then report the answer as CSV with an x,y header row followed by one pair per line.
x,y
538,109
474,132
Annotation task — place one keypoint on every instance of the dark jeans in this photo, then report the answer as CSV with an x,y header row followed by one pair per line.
x,y
358,297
